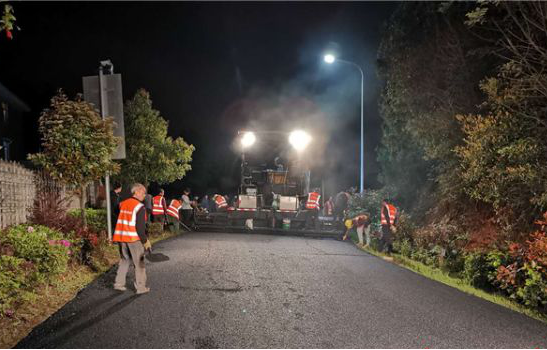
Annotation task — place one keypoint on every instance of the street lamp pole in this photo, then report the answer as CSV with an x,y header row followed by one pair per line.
x,y
330,59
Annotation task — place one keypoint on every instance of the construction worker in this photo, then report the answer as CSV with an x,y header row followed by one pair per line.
x,y
186,207
173,216
388,220
328,209
220,202
361,222
130,234
159,207
115,199
313,206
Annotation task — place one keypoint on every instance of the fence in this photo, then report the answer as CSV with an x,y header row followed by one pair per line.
x,y
18,187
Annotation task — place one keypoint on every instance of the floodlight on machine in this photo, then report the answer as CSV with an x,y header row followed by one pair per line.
x,y
248,139
299,139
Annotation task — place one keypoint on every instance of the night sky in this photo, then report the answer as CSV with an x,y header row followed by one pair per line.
x,y
212,69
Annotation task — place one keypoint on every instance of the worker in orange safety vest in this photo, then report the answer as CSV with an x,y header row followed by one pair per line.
x,y
173,217
132,240
388,220
313,205
159,207
220,202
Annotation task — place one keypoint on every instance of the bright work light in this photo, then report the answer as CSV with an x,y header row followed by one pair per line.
x,y
299,139
248,139
329,58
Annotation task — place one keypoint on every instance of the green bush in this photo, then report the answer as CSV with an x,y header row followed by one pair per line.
x,y
403,247
96,219
16,278
481,269
38,245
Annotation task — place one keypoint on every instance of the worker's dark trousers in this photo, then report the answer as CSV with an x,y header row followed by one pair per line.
x,y
387,237
311,218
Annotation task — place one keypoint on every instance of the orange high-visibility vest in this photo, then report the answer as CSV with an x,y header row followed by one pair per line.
x,y
392,213
313,201
173,209
220,201
157,208
126,226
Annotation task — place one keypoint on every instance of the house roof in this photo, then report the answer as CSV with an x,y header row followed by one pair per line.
x,y
12,100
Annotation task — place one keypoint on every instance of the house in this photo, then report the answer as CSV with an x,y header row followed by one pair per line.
x,y
11,123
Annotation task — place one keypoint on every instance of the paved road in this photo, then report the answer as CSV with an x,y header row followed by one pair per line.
x,y
258,291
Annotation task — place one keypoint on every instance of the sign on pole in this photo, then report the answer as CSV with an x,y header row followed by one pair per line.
x,y
113,106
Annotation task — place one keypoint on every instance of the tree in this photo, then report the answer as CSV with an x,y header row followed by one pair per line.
x,y
430,76
7,22
504,156
77,145
151,155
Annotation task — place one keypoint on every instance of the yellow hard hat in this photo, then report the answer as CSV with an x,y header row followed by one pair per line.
x,y
348,223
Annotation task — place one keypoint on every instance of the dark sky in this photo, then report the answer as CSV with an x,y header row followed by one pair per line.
x,y
211,69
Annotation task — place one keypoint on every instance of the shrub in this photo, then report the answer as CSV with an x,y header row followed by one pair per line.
x,y
37,244
524,274
404,247
96,219
15,278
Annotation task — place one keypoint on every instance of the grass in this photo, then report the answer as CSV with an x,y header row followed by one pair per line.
x,y
441,276
51,297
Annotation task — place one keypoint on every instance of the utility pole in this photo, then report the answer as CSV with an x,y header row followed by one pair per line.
x,y
103,102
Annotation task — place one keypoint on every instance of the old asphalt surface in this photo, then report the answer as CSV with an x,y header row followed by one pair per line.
x,y
262,291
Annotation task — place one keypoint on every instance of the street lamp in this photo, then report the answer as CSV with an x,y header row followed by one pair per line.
x,y
330,59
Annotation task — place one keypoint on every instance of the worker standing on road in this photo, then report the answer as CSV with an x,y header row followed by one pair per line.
x,y
159,207
132,240
115,200
148,206
388,220
186,207
173,216
313,206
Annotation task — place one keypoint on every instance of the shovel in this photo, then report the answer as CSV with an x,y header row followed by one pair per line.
x,y
155,257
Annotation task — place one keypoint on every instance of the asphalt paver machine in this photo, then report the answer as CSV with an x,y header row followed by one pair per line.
x,y
274,185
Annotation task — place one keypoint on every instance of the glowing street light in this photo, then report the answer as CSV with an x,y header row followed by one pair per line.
x,y
248,139
299,139
330,58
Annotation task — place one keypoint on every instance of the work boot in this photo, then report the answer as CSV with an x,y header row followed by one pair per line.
x,y
144,291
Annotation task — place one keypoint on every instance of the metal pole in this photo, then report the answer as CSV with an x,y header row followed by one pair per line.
x,y
107,176
362,180
362,168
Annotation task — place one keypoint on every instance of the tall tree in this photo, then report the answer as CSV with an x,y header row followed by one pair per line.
x,y
429,77
504,157
77,145
151,155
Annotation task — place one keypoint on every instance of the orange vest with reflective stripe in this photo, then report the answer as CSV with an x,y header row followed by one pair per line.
x,y
220,201
126,226
157,207
392,213
313,200
173,209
